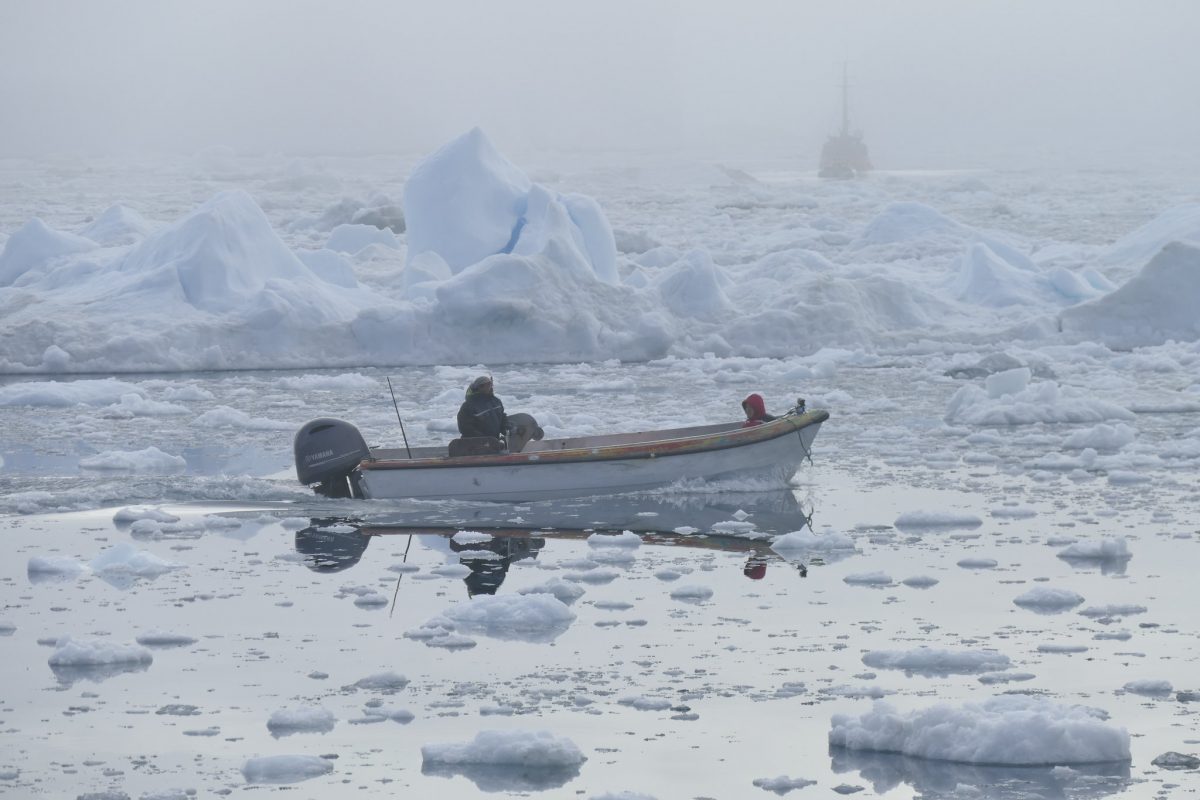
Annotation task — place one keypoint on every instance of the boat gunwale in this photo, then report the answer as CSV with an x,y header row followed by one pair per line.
x,y
662,448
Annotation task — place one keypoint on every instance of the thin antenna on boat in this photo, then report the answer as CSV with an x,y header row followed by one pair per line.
x,y
397,407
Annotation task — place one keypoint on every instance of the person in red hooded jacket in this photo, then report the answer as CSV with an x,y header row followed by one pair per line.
x,y
756,411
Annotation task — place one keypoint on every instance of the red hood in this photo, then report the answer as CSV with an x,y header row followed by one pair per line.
x,y
757,404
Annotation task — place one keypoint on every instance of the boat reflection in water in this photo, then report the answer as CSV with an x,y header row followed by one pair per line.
x,y
932,778
731,522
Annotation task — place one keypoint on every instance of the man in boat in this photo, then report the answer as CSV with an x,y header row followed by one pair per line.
x,y
482,413
756,411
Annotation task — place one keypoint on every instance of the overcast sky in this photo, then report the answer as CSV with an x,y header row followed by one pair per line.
x,y
934,82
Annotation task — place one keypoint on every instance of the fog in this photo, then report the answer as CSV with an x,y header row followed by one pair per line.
x,y
935,83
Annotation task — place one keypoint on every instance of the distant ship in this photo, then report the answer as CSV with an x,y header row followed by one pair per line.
x,y
845,155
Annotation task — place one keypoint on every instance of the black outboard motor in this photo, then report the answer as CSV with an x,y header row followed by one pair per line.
x,y
327,451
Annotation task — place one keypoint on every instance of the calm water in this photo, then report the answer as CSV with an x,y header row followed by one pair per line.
x,y
751,675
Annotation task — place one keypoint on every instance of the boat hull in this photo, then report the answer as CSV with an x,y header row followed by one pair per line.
x,y
775,452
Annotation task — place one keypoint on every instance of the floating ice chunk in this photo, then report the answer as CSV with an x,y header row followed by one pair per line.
x,y
1008,729
371,600
868,579
622,796
508,747
622,539
855,692
1013,512
285,768
1053,647
43,567
808,541
1102,437
1048,599
565,591
1113,610
1043,401
157,638
529,618
920,581
928,660
1150,688
782,784
1004,677
1124,477
668,575
471,537
1106,549
932,520
345,382
134,513
451,571
149,460
977,563
691,593
644,703
1173,760
63,394
226,417
134,405
387,682
303,719
593,576
71,652
124,557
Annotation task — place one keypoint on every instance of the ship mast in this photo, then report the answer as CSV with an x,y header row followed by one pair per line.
x,y
845,102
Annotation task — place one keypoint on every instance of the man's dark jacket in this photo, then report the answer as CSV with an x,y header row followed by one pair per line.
x,y
482,415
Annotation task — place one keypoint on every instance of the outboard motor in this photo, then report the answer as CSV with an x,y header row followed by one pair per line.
x,y
327,451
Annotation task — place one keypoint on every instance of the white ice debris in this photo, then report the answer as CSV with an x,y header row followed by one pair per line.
x,y
157,638
1149,687
1048,599
692,593
1102,437
1010,399
1008,729
868,579
125,558
920,581
1113,610
91,652
150,459
565,591
301,719
1110,548
386,682
471,537
938,661
285,768
934,520
49,566
782,784
805,540
509,748
134,513
535,617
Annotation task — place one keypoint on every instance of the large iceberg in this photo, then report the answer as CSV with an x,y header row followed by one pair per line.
x,y
1160,302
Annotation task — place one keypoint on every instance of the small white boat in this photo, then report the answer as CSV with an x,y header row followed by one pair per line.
x,y
333,455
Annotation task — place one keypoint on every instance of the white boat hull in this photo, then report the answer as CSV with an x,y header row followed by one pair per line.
x,y
549,475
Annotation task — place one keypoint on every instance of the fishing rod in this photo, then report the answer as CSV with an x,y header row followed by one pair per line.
x,y
399,578
397,407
